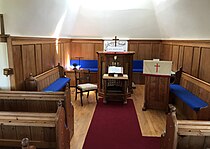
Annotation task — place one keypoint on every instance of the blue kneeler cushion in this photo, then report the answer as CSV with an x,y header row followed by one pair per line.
x,y
58,85
186,96
92,65
138,65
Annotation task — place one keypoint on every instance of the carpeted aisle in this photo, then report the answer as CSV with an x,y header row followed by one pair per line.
x,y
115,126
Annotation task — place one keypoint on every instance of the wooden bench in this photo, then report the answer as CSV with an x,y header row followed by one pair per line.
x,y
45,130
185,134
39,102
49,81
191,97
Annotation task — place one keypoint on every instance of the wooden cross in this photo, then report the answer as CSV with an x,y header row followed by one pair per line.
x,y
115,40
156,66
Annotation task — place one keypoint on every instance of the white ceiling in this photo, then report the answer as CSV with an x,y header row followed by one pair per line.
x,y
130,19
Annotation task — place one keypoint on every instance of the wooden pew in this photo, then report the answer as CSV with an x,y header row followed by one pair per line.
x,y
185,134
42,102
200,89
43,80
45,130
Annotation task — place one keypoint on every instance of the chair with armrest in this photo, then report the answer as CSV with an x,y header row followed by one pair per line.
x,y
82,78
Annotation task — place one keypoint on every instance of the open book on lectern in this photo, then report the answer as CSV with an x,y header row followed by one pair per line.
x,y
115,70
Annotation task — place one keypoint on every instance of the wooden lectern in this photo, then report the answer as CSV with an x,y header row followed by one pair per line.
x,y
157,81
105,59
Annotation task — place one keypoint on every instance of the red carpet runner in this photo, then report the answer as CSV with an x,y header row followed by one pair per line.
x,y
115,126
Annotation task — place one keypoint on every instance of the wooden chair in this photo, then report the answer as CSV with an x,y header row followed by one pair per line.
x,y
82,82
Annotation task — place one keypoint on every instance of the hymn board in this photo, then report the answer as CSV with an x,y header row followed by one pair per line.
x,y
115,49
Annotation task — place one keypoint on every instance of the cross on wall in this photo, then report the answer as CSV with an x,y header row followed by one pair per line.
x,y
157,66
115,40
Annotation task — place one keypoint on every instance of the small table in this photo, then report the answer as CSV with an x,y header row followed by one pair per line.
x,y
115,88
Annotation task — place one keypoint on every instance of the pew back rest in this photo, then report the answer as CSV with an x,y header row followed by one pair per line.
x,y
46,130
45,79
22,101
92,65
43,102
198,87
48,81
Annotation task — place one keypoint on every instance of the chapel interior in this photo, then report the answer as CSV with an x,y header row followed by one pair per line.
x,y
154,53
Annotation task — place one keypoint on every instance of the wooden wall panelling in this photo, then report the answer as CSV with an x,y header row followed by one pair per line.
x,y
204,71
196,61
38,58
134,47
155,54
175,57
46,57
75,50
58,53
62,58
97,47
87,51
28,59
181,54
66,55
166,52
187,61
18,67
52,51
145,50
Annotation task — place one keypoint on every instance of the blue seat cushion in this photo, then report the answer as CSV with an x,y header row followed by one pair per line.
x,y
187,97
137,65
58,85
92,65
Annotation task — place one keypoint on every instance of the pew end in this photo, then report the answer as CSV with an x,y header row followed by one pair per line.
x,y
185,134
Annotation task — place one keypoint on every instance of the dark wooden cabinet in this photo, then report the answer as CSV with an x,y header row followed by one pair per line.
x,y
105,59
156,92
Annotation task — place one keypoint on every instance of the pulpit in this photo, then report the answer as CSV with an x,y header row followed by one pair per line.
x,y
157,81
106,59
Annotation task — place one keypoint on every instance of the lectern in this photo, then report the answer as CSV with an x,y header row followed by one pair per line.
x,y
157,81
105,59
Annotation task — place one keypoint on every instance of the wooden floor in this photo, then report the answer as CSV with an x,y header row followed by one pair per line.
x,y
152,122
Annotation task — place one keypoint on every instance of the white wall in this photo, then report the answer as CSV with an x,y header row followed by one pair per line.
x,y
183,19
147,19
4,81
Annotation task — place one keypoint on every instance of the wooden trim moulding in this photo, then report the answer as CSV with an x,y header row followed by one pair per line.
x,y
36,40
145,41
191,43
87,40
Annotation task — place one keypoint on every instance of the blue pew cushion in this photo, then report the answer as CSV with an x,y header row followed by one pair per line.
x,y
92,65
187,97
137,65
58,85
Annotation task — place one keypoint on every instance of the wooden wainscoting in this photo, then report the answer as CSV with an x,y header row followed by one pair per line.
x,y
36,55
192,55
